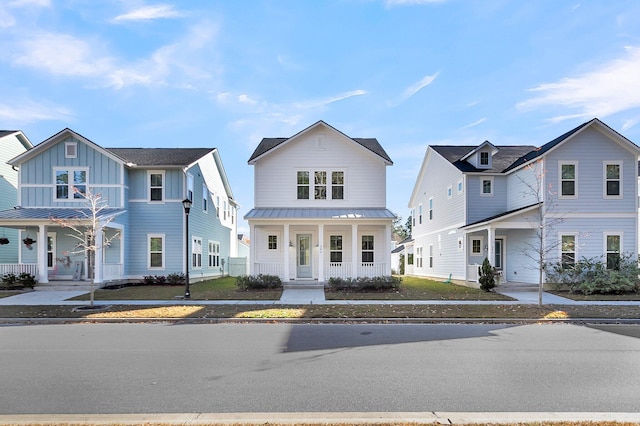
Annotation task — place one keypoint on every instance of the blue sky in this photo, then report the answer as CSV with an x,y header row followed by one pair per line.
x,y
410,73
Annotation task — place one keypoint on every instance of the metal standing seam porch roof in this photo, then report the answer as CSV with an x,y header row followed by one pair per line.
x,y
42,214
319,213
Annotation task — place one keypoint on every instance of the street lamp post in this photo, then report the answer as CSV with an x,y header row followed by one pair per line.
x,y
186,203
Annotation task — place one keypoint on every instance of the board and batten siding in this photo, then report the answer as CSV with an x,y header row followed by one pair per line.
x,y
173,184
37,178
275,175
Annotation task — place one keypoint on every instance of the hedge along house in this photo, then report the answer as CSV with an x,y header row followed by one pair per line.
x,y
143,189
12,143
320,207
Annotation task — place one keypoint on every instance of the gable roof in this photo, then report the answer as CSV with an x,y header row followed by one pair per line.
x,y
268,144
169,157
26,143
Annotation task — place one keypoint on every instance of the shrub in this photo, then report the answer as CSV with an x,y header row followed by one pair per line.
x,y
27,280
591,276
160,279
176,278
24,280
148,280
258,282
9,280
487,276
364,284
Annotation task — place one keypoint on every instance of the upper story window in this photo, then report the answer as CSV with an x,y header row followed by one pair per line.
x,y
431,208
487,186
303,185
205,198
484,158
156,186
70,183
190,187
613,179
337,185
70,150
460,186
320,185
419,213
568,179
449,191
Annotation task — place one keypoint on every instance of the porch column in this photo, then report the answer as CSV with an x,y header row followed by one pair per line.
x,y
252,249
491,242
43,274
97,261
354,250
320,253
387,249
285,251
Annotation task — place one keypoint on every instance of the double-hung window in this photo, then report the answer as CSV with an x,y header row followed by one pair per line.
x,y
156,186
70,183
337,185
320,185
613,179
487,186
568,179
484,158
156,251
205,198
430,255
420,213
190,187
613,245
419,257
196,252
367,248
431,208
303,185
568,251
214,254
335,248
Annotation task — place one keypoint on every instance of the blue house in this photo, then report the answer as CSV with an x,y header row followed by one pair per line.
x,y
143,221
489,201
12,143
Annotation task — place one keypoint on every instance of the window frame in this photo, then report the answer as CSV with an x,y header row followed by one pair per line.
x,y
190,184
430,256
214,254
334,249
162,251
473,241
418,257
606,250
481,158
70,152
460,186
320,188
561,179
430,208
302,185
337,186
205,198
605,179
151,187
562,251
196,252
491,186
272,242
419,214
71,184
449,192
368,248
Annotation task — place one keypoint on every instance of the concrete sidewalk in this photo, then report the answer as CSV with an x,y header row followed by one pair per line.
x,y
302,296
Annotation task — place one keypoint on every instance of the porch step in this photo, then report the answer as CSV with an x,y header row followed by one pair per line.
x,y
309,285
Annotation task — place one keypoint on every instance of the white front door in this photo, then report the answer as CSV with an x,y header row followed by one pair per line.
x,y
303,262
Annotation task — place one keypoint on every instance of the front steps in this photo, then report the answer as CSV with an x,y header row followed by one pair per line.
x,y
303,285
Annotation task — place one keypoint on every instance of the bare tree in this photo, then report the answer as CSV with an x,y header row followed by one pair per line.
x,y
84,228
544,223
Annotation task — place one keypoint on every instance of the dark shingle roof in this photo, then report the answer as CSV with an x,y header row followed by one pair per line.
x,y
4,133
160,156
501,161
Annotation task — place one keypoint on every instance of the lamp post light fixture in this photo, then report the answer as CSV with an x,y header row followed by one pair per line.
x,y
186,203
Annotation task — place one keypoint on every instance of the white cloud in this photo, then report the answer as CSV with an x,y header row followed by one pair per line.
x,y
23,3
6,19
475,123
627,124
319,103
415,88
609,89
26,111
147,13
245,99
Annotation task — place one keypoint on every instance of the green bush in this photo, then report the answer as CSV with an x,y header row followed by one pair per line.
x,y
23,280
364,284
258,282
487,276
591,276
176,278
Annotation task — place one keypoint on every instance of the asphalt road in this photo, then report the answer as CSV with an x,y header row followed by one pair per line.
x,y
225,368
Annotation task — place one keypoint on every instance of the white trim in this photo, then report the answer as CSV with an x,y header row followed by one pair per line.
x,y
164,265
482,180
473,253
53,236
70,184
575,180
575,245
164,184
606,234
605,163
196,243
71,153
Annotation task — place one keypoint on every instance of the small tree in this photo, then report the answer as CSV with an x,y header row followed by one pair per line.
x,y
487,276
84,229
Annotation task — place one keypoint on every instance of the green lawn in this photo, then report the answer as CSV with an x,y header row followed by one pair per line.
x,y
415,288
7,293
217,289
595,297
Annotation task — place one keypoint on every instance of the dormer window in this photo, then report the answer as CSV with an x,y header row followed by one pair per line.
x,y
484,158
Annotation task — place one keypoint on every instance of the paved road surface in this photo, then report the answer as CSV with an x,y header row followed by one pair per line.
x,y
169,368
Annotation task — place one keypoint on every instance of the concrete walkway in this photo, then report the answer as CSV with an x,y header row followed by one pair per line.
x,y
306,296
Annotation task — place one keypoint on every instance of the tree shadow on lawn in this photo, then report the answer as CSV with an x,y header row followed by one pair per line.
x,y
310,337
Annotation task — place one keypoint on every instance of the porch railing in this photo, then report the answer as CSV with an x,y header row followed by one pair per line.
x,y
112,271
18,268
472,272
268,268
338,270
373,269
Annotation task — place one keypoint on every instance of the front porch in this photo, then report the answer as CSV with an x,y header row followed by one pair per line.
x,y
332,270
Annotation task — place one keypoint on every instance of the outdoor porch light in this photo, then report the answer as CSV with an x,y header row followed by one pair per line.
x,y
186,203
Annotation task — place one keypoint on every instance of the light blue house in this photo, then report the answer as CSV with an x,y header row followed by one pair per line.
x,y
472,202
143,190
12,143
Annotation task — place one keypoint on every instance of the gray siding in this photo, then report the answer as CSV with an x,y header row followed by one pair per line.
x,y
482,206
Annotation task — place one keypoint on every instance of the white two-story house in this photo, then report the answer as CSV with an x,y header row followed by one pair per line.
x,y
490,201
320,207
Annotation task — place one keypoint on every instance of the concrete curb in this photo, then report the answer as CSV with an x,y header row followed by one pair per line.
x,y
314,418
